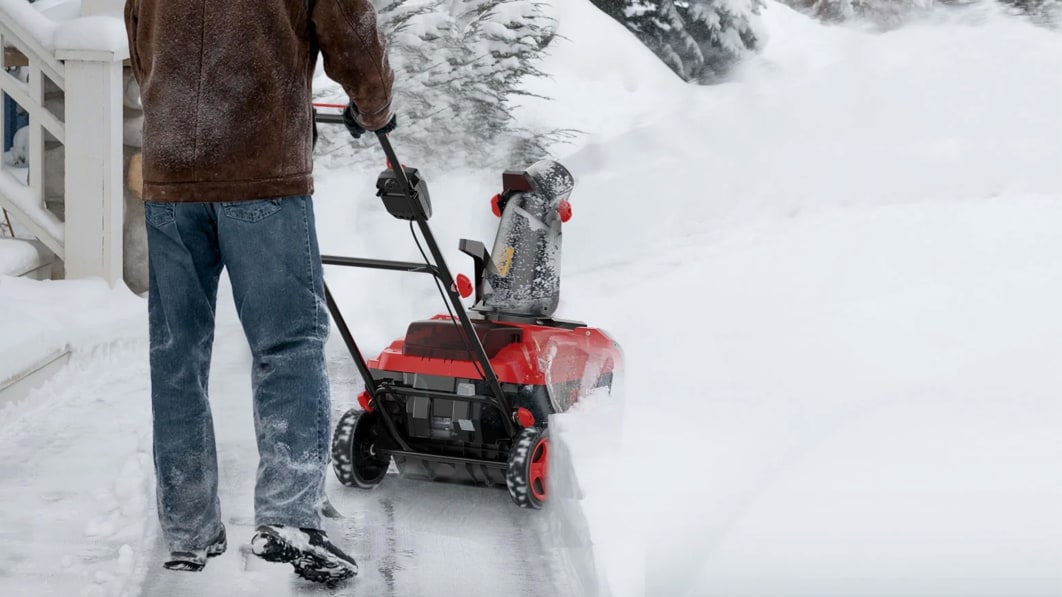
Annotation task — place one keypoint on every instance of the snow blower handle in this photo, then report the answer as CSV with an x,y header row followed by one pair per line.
x,y
403,190
393,163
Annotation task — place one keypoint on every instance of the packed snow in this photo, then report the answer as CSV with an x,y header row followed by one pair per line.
x,y
836,281
93,33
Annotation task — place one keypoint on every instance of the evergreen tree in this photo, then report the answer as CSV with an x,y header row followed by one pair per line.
x,y
503,40
882,12
425,51
459,64
660,27
1045,12
724,30
698,39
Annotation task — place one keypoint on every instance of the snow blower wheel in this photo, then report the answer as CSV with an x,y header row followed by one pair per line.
x,y
354,458
528,468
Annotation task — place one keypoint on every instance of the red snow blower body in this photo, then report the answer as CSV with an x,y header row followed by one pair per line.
x,y
467,395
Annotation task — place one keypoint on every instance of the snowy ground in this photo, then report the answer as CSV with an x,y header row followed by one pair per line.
x,y
836,280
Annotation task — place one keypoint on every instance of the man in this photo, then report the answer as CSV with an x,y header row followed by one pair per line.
x,y
227,179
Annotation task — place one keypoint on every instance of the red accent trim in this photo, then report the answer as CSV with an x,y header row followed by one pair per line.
x,y
464,286
495,207
525,417
336,106
539,468
518,363
365,401
565,210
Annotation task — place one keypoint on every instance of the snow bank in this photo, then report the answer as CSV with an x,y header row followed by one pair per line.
x,y
835,281
864,405
601,80
830,117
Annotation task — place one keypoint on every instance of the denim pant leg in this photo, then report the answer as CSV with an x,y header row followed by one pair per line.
x,y
184,265
270,250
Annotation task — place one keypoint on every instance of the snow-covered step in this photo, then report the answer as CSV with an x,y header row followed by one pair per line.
x,y
33,346
43,322
27,258
18,384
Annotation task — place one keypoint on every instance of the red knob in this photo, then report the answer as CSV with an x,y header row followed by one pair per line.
x,y
495,207
464,286
565,210
525,418
365,401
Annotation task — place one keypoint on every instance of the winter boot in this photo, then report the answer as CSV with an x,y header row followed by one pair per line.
x,y
314,557
194,561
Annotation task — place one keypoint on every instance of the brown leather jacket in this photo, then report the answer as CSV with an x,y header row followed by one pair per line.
x,y
226,90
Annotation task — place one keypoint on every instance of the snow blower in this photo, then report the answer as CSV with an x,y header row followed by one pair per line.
x,y
467,395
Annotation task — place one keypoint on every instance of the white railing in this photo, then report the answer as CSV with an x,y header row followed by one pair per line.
x,y
82,59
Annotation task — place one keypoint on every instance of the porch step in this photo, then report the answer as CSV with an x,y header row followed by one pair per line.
x,y
27,258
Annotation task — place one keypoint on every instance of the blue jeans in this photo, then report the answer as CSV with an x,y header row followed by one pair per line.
x,y
269,248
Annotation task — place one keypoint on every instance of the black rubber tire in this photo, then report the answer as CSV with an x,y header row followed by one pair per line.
x,y
353,459
526,476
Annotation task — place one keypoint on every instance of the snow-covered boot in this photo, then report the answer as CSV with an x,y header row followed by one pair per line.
x,y
195,560
314,557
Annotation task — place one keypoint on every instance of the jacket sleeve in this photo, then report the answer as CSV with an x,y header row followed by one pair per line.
x,y
131,21
355,56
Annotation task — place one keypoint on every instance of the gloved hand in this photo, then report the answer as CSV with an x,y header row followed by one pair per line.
x,y
355,128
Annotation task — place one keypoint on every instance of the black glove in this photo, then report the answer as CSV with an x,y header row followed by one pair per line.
x,y
356,130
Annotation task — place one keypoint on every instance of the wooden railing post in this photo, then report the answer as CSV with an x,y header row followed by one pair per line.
x,y
94,181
